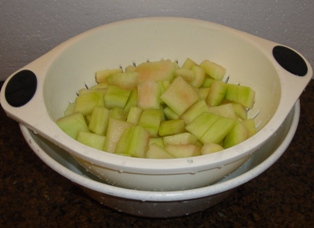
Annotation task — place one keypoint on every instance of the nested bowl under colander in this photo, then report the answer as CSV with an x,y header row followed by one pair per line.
x,y
278,75
165,204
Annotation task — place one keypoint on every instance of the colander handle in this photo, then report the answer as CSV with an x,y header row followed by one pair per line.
x,y
290,60
22,95
294,73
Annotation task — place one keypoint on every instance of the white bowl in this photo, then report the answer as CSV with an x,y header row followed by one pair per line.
x,y
248,60
164,203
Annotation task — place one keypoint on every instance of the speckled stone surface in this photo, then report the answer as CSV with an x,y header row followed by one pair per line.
x,y
33,195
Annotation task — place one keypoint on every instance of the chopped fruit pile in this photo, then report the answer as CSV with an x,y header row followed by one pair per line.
x,y
160,110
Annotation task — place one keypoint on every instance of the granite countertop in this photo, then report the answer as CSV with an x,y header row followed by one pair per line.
x,y
33,195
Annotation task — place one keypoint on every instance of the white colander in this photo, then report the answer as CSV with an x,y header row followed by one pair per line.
x,y
38,94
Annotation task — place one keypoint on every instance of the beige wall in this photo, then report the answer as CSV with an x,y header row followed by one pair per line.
x,y
28,29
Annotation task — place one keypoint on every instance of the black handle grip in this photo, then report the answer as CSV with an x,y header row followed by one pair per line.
x,y
21,88
290,60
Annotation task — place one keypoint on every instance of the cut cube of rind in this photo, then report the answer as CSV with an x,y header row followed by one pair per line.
x,y
116,97
157,152
241,94
183,151
171,127
180,139
134,141
139,143
218,130
201,124
203,92
159,141
208,82
99,120
85,103
125,80
134,114
225,110
124,142
118,113
199,76
91,139
237,134
157,71
188,64
213,69
170,114
180,95
187,74
114,131
216,93
132,101
72,124
149,94
194,111
101,75
150,120
209,148
240,110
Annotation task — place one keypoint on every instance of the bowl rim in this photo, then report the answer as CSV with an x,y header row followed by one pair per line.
x,y
163,196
